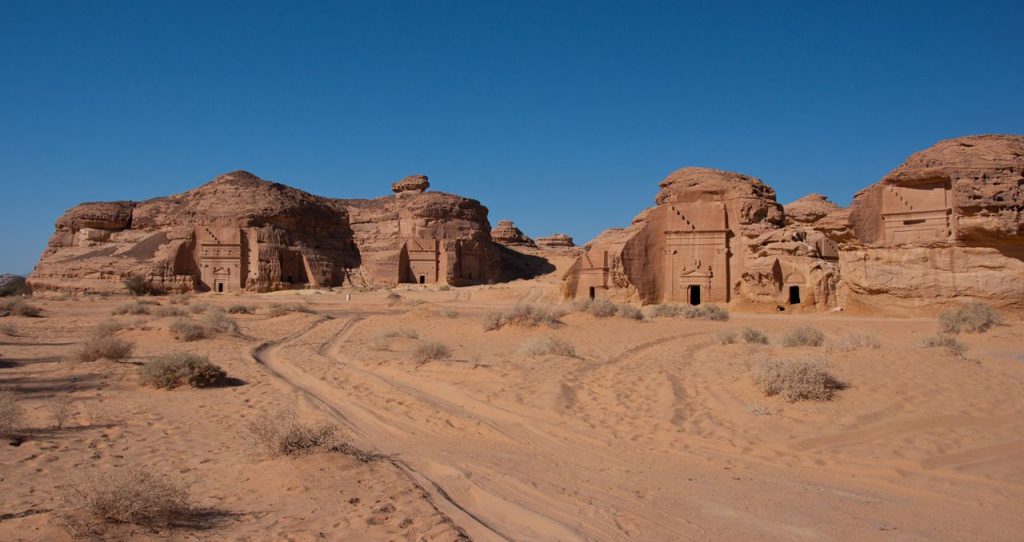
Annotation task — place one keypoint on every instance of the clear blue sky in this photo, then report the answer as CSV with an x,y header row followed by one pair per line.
x,y
563,116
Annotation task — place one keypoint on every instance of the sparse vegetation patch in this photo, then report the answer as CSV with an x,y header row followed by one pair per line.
x,y
281,433
855,341
797,380
974,317
19,307
105,347
180,368
431,351
184,329
803,336
12,415
549,345
524,315
127,495
135,308
949,342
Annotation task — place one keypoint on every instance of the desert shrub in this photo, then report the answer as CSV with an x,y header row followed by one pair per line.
x,y
394,297
948,342
12,415
855,341
448,313
549,345
803,336
179,368
180,299
128,495
379,344
602,308
136,284
629,312
797,380
444,288
726,336
707,311
60,409
240,309
107,327
199,308
279,309
663,311
14,285
974,317
753,336
524,315
430,351
9,329
281,433
165,312
405,332
218,320
19,307
184,329
105,347
131,308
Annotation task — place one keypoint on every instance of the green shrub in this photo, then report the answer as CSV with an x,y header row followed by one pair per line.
x,y
803,336
797,380
184,329
430,351
179,368
974,317
549,345
106,347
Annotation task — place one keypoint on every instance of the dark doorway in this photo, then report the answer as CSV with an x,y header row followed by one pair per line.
x,y
220,287
593,292
423,279
794,295
693,292
288,279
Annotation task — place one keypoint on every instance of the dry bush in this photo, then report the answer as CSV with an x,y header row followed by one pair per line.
x,y
19,307
707,311
184,329
448,313
394,297
12,415
726,336
753,336
803,336
199,308
9,329
127,495
165,312
281,433
662,311
444,288
602,308
430,351
279,309
218,320
106,347
630,312
136,285
549,345
524,315
179,368
180,299
60,409
760,410
379,344
108,327
131,308
240,309
14,286
948,342
854,341
797,380
404,332
974,317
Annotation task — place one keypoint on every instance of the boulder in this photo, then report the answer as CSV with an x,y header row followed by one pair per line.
x,y
414,183
558,240
809,209
508,234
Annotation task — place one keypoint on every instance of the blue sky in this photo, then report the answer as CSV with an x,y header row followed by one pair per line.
x,y
563,116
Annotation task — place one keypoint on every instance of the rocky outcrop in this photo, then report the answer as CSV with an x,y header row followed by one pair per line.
x,y
558,240
239,232
809,209
945,225
508,234
713,235
416,184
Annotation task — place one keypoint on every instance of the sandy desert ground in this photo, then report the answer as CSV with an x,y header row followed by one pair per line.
x,y
654,431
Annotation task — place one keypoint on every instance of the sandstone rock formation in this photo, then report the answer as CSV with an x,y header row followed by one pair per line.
x,y
713,236
239,232
558,240
416,184
809,209
508,234
944,225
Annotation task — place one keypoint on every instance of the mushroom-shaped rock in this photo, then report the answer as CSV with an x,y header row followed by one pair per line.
x,y
558,240
809,209
507,233
415,184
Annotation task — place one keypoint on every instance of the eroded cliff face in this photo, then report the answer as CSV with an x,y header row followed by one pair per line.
x,y
239,232
713,236
945,225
